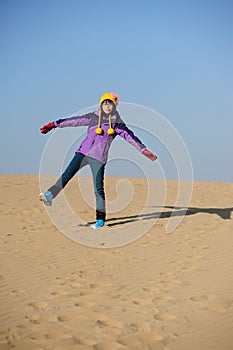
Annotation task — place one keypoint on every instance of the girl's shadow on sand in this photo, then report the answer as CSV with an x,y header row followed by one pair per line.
x,y
224,213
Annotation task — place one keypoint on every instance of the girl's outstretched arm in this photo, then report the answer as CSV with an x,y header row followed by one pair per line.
x,y
83,120
122,130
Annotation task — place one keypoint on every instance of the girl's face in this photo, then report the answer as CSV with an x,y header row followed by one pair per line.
x,y
107,106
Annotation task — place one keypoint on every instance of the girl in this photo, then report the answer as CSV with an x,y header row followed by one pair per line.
x,y
103,126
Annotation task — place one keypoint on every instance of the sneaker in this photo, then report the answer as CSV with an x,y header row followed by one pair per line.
x,y
98,224
46,198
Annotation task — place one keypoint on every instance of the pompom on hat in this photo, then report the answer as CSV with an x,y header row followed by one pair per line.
x,y
110,96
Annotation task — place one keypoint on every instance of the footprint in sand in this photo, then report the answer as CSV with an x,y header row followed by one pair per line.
x,y
151,339
75,285
65,341
135,259
148,244
36,337
69,317
169,279
39,305
118,252
200,248
59,292
188,268
107,345
197,257
57,335
130,340
95,285
18,292
164,317
49,317
142,301
10,334
219,306
167,274
203,298
34,319
163,299
84,303
151,290
85,341
96,316
140,326
170,283
87,292
109,323
210,304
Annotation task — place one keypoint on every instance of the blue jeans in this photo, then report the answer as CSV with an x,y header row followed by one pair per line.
x,y
97,169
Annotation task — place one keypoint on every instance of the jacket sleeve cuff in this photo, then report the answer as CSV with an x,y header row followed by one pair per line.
x,y
58,122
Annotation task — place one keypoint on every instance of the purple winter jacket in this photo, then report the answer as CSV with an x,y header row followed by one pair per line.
x,y
97,146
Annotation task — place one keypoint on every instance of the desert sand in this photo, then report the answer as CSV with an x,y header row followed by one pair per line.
x,y
160,292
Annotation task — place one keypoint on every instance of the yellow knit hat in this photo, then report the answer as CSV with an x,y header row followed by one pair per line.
x,y
109,96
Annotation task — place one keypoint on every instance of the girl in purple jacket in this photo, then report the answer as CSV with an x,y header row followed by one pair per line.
x,y
103,126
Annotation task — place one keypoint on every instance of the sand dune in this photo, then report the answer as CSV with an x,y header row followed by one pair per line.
x,y
161,292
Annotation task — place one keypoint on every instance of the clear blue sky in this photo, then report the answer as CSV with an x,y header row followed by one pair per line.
x,y
58,57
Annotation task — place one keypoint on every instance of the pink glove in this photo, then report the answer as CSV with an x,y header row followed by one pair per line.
x,y
149,154
46,128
